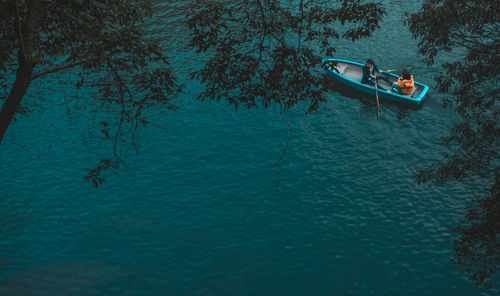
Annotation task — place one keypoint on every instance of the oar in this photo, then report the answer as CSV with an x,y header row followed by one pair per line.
x,y
395,70
376,96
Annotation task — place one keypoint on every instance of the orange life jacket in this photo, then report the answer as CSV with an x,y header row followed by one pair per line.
x,y
406,85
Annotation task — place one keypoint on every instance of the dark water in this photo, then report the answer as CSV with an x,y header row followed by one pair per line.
x,y
202,211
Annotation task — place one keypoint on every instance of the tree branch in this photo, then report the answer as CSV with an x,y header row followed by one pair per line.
x,y
29,27
56,69
19,31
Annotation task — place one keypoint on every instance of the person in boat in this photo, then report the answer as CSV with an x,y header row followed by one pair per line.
x,y
370,71
405,84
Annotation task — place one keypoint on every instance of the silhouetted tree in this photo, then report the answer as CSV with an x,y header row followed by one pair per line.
x,y
471,29
103,42
261,52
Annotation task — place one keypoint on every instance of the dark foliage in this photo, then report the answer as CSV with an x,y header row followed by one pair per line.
x,y
471,30
263,52
105,42
94,175
478,243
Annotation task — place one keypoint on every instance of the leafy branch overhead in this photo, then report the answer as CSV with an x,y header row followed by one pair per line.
x,y
103,42
470,82
471,31
267,52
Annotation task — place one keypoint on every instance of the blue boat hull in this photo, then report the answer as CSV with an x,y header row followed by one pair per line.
x,y
333,71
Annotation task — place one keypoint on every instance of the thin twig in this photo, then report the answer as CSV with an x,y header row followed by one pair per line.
x,y
278,163
287,140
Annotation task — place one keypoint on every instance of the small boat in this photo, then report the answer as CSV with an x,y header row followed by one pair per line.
x,y
350,74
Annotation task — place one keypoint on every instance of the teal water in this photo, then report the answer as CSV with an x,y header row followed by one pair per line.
x,y
202,210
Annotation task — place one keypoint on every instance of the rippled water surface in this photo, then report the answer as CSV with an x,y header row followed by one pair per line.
x,y
202,209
